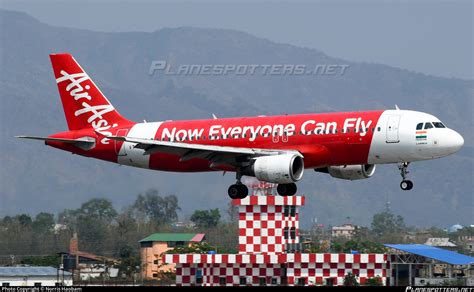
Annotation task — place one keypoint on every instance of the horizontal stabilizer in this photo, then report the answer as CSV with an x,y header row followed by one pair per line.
x,y
85,143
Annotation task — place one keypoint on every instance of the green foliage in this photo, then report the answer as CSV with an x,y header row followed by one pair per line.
x,y
51,261
206,218
232,212
43,222
152,207
375,281
350,280
388,227
129,261
24,220
223,237
362,246
196,247
98,210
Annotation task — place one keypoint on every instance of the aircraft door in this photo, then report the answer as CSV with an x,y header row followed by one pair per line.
x,y
393,123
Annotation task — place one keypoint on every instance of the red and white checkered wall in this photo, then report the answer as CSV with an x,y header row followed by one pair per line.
x,y
311,269
262,223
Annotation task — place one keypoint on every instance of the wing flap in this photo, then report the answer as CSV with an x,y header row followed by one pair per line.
x,y
148,145
85,143
234,156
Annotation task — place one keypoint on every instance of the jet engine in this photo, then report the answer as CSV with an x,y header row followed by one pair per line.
x,y
351,172
280,169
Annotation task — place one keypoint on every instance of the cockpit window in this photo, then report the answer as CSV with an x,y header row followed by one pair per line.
x,y
419,126
439,125
428,126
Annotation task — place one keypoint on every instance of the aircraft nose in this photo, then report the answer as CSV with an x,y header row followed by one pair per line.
x,y
455,141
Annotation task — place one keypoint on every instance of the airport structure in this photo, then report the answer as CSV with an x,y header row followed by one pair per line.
x,y
34,276
270,253
153,246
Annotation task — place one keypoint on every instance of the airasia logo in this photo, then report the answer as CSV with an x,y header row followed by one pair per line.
x,y
96,112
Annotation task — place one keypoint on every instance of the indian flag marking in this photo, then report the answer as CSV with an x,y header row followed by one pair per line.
x,y
421,135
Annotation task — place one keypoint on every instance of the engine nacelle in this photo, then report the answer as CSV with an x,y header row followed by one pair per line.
x,y
352,172
280,169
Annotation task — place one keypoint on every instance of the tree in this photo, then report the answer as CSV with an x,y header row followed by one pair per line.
x,y
68,217
350,280
196,247
152,207
99,209
376,281
386,223
129,261
206,218
52,260
170,208
24,220
43,222
233,212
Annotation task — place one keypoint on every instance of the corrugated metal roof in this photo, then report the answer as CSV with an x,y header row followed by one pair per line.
x,y
174,237
435,253
30,271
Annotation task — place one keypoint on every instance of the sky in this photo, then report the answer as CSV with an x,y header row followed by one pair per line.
x,y
432,37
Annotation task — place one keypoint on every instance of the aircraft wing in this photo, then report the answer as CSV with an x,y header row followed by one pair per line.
x,y
83,143
214,153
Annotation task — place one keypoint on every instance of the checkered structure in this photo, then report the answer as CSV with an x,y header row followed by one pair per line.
x,y
265,269
268,224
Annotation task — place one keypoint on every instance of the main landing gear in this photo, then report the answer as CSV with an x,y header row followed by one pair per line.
x,y
286,189
238,190
406,184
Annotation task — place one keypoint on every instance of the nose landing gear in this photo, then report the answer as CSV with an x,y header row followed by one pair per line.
x,y
406,184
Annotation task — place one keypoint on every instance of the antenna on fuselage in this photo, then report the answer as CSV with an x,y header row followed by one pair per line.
x,y
397,108
214,116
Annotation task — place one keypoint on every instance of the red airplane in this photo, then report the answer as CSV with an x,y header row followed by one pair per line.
x,y
274,149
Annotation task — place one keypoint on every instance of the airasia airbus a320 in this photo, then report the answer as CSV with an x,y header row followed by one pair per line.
x,y
275,149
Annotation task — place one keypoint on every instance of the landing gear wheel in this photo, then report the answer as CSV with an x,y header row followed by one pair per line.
x,y
238,191
286,189
406,185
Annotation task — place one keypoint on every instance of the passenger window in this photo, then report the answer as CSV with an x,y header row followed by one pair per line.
x,y
428,126
419,126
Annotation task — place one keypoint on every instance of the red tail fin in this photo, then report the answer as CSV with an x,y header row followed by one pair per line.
x,y
83,103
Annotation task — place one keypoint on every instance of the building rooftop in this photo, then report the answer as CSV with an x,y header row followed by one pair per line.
x,y
165,237
346,226
440,241
439,254
270,201
29,271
